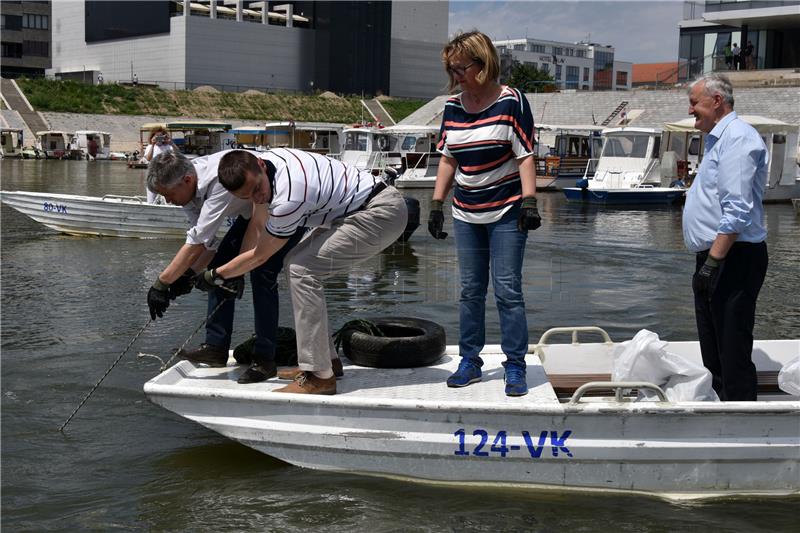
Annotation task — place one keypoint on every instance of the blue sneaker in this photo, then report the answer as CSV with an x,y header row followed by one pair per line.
x,y
468,373
515,381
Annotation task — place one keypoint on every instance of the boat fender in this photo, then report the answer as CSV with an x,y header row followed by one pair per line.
x,y
406,343
582,183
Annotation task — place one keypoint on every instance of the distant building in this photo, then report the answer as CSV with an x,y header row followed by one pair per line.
x,y
580,66
25,39
708,27
655,74
346,47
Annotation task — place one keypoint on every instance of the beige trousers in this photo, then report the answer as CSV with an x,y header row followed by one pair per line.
x,y
324,252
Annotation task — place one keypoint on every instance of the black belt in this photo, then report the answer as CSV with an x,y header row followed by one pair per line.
x,y
376,190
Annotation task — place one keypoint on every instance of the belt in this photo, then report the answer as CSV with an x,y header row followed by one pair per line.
x,y
376,190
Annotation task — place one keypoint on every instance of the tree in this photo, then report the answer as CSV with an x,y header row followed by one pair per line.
x,y
529,79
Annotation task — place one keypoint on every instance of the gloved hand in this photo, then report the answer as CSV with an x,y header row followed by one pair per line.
x,y
436,220
209,280
529,218
704,282
158,299
182,285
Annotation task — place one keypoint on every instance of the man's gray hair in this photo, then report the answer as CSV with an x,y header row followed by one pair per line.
x,y
166,170
716,84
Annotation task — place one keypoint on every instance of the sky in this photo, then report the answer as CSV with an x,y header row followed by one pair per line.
x,y
644,31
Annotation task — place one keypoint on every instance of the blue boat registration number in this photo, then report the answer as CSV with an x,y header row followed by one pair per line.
x,y
535,444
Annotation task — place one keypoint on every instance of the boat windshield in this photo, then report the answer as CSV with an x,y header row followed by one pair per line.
x,y
356,140
628,145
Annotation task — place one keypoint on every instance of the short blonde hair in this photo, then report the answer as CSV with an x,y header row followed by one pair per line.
x,y
479,48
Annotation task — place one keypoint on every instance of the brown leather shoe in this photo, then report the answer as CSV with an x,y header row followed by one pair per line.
x,y
292,372
308,383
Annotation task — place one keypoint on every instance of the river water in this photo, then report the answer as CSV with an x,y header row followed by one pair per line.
x,y
70,305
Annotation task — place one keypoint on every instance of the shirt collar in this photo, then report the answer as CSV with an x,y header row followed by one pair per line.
x,y
722,124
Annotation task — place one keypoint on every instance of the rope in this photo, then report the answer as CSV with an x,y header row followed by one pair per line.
x,y
61,429
203,323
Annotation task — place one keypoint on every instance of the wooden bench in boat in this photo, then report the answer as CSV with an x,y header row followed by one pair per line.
x,y
567,384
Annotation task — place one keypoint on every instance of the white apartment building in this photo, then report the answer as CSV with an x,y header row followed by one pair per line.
x,y
577,66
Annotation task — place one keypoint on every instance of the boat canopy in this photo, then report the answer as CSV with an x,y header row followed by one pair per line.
x,y
187,124
309,126
649,131
570,127
249,130
92,132
53,132
407,129
10,130
761,124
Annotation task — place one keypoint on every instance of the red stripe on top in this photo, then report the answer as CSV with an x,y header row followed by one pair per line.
x,y
498,203
488,142
504,179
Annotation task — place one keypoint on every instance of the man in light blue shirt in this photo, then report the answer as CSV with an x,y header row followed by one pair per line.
x,y
723,223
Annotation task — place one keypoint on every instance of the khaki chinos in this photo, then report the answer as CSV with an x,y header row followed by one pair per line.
x,y
325,252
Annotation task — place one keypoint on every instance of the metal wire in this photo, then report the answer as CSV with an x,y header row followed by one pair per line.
x,y
182,346
61,429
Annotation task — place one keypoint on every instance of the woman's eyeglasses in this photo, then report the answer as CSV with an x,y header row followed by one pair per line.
x,y
458,71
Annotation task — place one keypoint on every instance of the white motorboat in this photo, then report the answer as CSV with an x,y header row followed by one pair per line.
x,y
567,153
107,216
102,140
628,172
780,138
57,144
420,159
406,423
10,142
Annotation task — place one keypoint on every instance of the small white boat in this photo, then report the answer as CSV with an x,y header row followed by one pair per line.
x,y
10,142
369,148
83,138
318,137
567,153
406,423
628,172
193,137
109,216
780,138
420,159
57,144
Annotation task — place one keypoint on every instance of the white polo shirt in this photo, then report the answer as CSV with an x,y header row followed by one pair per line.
x,y
212,205
311,190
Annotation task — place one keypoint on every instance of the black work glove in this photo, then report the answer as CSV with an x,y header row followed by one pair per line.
x,y
182,285
209,280
529,218
436,220
158,299
704,282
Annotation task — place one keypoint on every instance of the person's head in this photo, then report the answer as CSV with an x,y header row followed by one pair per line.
x,y
710,99
159,134
173,176
471,61
245,176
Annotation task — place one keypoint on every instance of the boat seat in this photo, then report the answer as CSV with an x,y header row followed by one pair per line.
x,y
566,384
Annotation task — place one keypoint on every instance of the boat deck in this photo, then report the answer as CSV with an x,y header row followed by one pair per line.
x,y
426,384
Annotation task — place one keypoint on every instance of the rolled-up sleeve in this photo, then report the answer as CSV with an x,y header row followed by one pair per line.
x,y
737,170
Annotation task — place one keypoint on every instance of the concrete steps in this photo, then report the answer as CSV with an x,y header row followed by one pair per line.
x,y
15,100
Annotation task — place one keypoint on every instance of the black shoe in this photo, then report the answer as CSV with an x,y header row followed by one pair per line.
x,y
258,372
244,352
206,354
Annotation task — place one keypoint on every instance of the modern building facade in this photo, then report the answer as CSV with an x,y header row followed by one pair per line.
x,y
581,66
372,47
708,28
25,38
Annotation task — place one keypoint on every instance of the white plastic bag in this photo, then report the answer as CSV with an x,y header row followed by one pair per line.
x,y
789,377
645,358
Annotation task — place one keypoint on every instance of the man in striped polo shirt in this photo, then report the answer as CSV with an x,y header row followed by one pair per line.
x,y
351,216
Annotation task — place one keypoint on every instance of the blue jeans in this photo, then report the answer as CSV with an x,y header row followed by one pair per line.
x,y
264,283
497,248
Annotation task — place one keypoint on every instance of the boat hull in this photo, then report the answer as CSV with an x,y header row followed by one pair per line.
x,y
641,196
106,217
417,428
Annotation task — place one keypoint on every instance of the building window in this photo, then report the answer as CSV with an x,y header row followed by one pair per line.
x,y
603,70
519,47
35,22
12,22
546,67
558,71
530,64
501,49
36,48
538,48
12,49
557,51
572,77
585,73
580,53
622,79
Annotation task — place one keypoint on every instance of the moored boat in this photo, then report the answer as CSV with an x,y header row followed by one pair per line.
x,y
406,423
567,153
11,142
102,140
107,216
57,144
628,171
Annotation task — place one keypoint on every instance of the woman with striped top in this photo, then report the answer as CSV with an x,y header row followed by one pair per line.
x,y
487,146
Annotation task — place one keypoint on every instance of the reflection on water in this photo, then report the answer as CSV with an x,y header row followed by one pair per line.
x,y
70,305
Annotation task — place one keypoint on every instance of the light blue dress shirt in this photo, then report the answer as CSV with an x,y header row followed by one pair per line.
x,y
726,196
